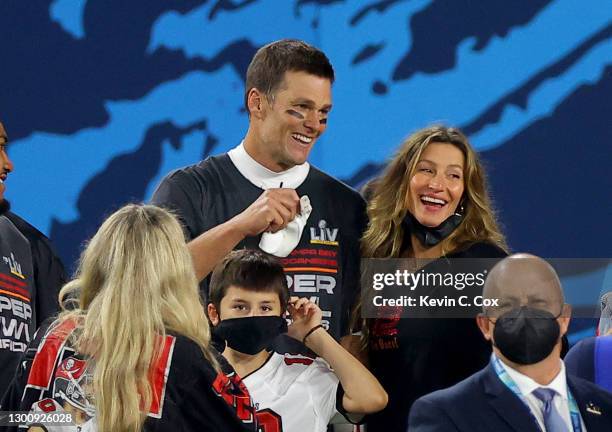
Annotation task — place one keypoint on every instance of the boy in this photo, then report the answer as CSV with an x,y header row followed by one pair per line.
x,y
248,298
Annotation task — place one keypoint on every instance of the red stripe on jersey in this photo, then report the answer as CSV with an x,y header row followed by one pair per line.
x,y
15,289
159,377
12,294
48,353
310,269
13,280
235,394
298,360
269,421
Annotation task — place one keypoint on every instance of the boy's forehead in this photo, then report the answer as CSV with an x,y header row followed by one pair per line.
x,y
239,293
3,136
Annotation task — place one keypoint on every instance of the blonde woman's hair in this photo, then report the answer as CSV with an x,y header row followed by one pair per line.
x,y
135,282
384,237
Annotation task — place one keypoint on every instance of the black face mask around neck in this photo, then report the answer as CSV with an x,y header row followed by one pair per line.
x,y
250,335
430,236
526,335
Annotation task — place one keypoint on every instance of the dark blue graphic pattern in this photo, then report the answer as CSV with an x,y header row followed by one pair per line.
x,y
99,114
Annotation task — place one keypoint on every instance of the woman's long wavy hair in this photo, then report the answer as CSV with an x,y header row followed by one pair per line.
x,y
384,237
135,282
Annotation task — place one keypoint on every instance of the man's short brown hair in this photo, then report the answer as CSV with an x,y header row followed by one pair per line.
x,y
267,69
251,270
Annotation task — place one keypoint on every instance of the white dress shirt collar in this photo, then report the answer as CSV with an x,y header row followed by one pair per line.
x,y
527,385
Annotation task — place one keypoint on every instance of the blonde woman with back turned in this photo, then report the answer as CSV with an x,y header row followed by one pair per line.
x,y
134,353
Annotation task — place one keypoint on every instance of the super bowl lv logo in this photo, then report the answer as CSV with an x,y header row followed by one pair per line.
x,y
324,235
14,266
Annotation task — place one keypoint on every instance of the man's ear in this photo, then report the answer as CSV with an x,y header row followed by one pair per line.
x,y
255,102
564,319
485,326
213,314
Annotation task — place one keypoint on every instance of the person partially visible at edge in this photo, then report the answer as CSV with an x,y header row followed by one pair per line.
x,y
249,300
605,318
265,185
135,353
591,358
430,202
31,275
525,386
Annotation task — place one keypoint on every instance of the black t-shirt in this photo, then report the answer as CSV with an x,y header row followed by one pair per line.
x,y
324,265
31,276
188,393
412,357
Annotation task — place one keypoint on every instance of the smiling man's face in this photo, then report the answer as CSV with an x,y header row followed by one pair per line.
x,y
294,120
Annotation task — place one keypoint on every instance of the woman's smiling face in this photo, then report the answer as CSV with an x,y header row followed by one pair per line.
x,y
437,184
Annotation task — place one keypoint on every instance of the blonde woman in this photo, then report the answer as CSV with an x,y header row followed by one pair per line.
x,y
431,202
134,354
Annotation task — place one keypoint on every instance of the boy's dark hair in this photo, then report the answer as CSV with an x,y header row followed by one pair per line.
x,y
267,69
248,269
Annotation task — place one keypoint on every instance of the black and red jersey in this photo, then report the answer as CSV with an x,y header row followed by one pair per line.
x,y
188,393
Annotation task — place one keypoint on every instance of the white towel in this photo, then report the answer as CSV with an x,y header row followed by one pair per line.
x,y
282,242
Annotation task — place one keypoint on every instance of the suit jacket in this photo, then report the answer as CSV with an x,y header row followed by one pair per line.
x,y
483,403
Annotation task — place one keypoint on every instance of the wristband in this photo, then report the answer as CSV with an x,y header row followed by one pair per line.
x,y
311,331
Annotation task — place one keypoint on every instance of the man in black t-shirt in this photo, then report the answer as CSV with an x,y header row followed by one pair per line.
x,y
239,199
30,278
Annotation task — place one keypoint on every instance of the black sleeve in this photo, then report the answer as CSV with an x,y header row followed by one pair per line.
x,y
480,250
49,274
183,196
49,277
11,401
13,394
193,400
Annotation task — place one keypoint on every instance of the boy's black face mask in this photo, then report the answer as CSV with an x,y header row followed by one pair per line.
x,y
250,335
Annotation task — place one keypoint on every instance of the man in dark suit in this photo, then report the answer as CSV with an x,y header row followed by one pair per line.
x,y
525,387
